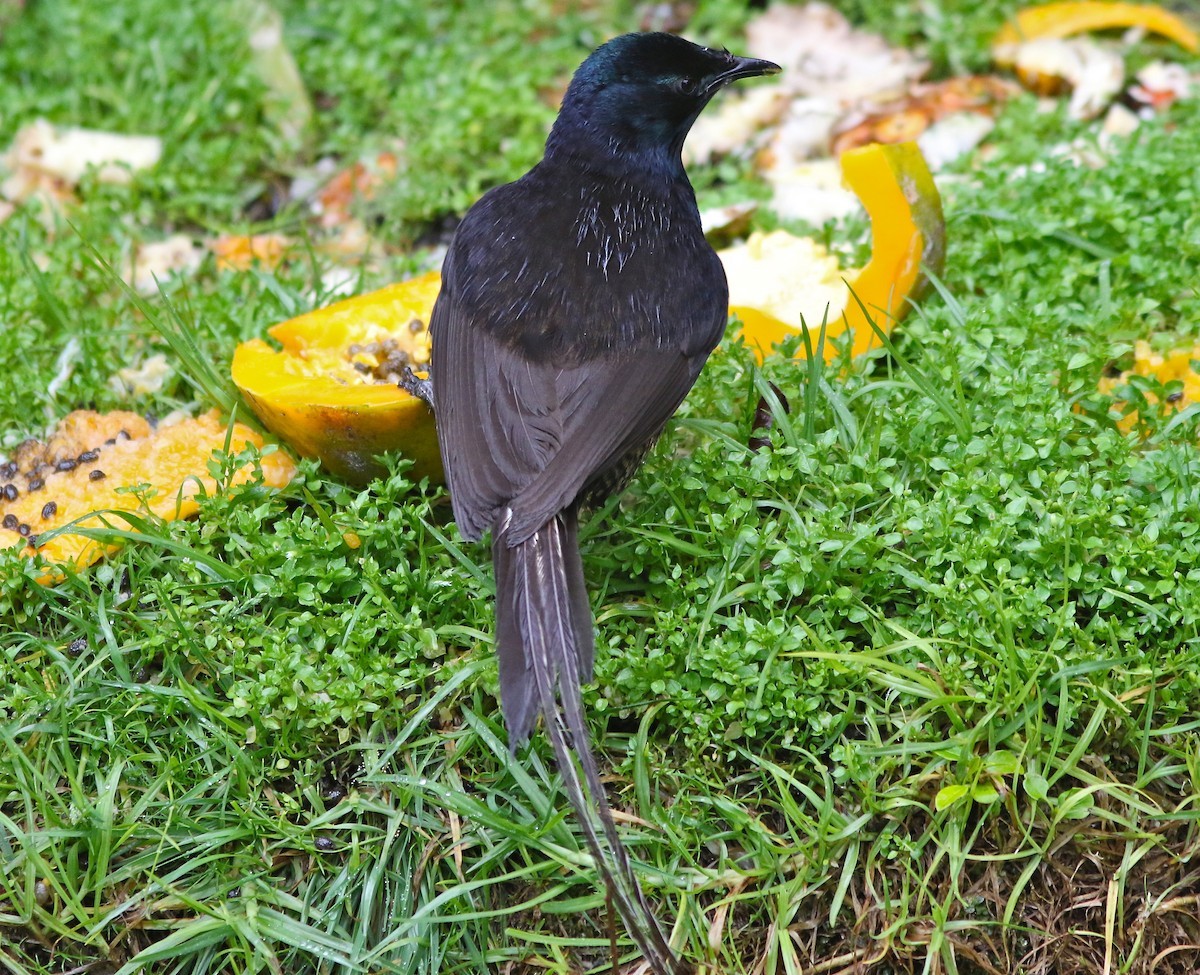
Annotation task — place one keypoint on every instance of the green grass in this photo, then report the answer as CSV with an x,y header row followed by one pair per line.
x,y
916,686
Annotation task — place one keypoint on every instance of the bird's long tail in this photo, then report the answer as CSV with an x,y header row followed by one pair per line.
x,y
544,642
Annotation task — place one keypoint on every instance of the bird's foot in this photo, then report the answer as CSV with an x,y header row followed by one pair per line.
x,y
414,385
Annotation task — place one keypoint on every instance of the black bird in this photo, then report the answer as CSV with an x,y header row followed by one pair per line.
x,y
578,306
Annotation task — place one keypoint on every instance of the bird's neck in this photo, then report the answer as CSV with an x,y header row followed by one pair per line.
x,y
645,159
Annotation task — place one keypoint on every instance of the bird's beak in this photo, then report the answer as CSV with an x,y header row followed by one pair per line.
x,y
742,68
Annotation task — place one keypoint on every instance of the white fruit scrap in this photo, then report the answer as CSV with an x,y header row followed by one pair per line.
x,y
787,276
158,260
813,192
1160,84
953,136
1093,72
144,379
49,160
822,54
828,67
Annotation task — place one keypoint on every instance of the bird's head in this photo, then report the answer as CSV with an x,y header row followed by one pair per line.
x,y
640,93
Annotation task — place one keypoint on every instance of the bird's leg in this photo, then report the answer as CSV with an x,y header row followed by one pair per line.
x,y
414,385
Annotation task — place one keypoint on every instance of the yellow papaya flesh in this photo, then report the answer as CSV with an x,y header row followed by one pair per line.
x,y
1173,366
330,391
96,465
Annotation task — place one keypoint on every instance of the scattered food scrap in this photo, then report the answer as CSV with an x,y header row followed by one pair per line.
x,y
1174,366
794,278
1040,46
143,379
95,464
727,221
811,191
908,116
952,137
240,252
331,195
842,88
49,161
1091,73
736,124
1160,84
159,260
908,235
334,201
823,54
829,69
672,16
64,365
1119,122
1067,19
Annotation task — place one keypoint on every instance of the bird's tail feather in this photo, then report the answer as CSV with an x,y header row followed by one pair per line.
x,y
544,622
518,688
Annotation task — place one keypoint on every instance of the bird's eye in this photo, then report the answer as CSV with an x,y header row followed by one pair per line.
x,y
685,85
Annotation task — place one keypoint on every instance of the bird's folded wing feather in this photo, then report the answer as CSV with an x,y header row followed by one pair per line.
x,y
531,435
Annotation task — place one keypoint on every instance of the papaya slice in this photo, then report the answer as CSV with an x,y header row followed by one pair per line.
x,y
98,463
1067,19
330,391
908,234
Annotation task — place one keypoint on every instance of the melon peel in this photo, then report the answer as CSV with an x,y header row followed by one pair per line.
x,y
330,391
96,465
1057,20
908,236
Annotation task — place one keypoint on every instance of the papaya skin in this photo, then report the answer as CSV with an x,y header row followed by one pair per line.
x,y
1067,19
908,236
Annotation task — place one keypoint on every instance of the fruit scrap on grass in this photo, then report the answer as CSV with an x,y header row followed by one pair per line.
x,y
908,236
1067,19
156,261
786,276
240,252
330,391
911,114
96,464
360,181
1040,46
1174,366
49,161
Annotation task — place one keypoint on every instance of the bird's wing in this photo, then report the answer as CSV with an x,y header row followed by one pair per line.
x,y
531,435
608,408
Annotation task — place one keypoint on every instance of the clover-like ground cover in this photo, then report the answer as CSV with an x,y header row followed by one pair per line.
x,y
914,688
